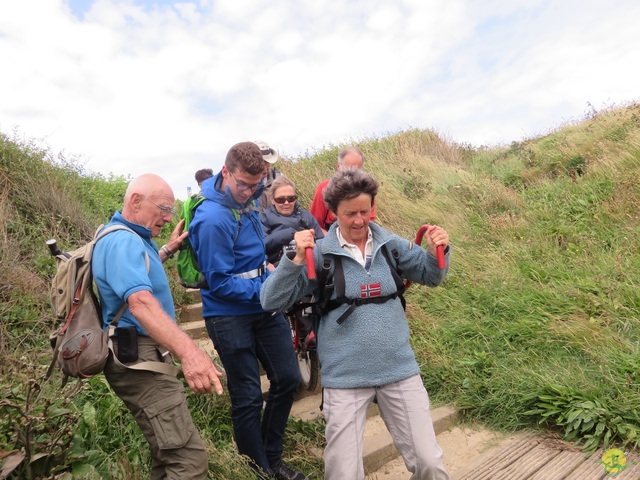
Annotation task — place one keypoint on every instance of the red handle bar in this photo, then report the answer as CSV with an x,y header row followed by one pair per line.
x,y
311,268
439,249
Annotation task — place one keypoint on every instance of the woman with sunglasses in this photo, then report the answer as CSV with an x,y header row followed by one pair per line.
x,y
284,218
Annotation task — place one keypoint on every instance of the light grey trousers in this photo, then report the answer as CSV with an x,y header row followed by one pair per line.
x,y
404,407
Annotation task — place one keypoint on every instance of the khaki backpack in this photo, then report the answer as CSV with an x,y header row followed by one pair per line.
x,y
80,346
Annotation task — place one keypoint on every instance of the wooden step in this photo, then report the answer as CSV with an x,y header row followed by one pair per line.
x,y
194,295
206,344
196,329
378,445
190,313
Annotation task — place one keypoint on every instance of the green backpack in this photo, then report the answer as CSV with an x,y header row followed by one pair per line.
x,y
189,274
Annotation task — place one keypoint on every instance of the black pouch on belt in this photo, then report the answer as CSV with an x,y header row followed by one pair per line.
x,y
127,344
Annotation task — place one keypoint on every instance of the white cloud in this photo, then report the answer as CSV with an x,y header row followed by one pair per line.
x,y
168,86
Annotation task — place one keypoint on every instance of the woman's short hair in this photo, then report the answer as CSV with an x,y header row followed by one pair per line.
x,y
280,181
347,184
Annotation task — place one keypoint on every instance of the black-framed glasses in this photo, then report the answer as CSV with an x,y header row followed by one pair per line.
x,y
242,186
289,199
163,208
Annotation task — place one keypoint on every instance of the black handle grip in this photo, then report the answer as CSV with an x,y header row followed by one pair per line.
x,y
53,247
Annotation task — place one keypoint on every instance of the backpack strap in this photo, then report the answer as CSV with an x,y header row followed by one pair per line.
x,y
237,214
338,280
148,366
101,232
342,299
396,272
158,367
325,281
325,287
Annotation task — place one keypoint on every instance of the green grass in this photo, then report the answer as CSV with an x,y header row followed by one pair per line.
x,y
536,326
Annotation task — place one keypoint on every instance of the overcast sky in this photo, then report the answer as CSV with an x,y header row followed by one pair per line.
x,y
135,86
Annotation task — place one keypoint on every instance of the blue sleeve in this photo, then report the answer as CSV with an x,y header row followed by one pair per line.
x,y
418,265
220,250
125,266
285,286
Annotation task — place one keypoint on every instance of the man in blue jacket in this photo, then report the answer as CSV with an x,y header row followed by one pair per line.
x,y
227,237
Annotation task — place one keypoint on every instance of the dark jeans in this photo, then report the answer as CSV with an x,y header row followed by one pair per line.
x,y
241,342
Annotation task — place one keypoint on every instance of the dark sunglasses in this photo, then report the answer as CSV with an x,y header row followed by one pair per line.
x,y
290,199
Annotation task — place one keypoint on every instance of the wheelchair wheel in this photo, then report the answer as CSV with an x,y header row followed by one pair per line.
x,y
309,370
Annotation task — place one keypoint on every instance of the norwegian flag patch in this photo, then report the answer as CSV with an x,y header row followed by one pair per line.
x,y
371,290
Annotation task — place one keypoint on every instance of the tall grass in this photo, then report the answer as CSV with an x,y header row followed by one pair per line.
x,y
85,431
538,320
537,324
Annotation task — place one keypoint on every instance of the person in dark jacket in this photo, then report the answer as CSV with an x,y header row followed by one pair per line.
x,y
284,218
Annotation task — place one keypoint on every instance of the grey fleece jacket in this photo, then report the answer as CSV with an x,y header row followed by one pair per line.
x,y
371,347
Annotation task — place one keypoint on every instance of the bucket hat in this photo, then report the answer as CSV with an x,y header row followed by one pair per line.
x,y
268,153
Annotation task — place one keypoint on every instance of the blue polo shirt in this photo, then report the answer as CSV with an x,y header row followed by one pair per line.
x,y
119,270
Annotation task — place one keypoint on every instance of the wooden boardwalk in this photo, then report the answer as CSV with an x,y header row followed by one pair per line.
x,y
533,458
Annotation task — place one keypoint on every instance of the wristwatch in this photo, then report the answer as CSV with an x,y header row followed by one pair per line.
x,y
166,251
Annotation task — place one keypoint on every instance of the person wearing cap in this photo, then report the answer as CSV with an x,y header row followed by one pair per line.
x,y
228,240
270,157
348,157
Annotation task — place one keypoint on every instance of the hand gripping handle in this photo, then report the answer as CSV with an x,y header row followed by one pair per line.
x,y
439,249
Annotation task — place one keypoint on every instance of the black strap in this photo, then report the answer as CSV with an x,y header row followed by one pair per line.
x,y
341,299
325,287
338,278
396,272
356,302
330,281
325,282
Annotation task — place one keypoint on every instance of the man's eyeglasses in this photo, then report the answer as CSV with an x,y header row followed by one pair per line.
x,y
163,208
242,186
290,199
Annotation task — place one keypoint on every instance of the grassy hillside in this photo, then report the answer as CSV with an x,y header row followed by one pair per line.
x,y
536,324
538,320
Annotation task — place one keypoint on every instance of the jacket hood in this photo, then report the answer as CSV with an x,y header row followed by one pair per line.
x,y
211,190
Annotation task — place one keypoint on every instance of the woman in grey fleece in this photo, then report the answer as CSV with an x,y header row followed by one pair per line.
x,y
368,355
